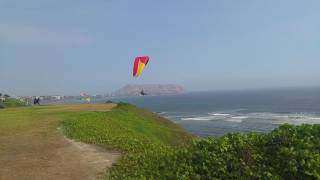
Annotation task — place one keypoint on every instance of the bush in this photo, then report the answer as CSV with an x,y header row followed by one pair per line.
x,y
154,148
289,152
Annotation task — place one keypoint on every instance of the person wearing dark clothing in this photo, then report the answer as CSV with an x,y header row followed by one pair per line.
x,y
142,93
36,101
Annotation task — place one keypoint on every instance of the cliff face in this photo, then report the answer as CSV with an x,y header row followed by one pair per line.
x,y
149,89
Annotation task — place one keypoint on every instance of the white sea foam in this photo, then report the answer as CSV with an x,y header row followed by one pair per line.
x,y
263,117
296,119
162,113
205,118
237,120
240,117
219,114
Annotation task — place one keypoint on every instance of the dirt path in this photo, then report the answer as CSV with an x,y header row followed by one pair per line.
x,y
40,151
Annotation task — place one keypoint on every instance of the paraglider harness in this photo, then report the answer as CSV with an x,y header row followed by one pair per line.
x,y
142,93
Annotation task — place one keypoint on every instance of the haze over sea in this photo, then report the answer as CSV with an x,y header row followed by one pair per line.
x,y
217,113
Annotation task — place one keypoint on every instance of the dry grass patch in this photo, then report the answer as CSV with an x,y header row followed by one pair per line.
x,y
33,147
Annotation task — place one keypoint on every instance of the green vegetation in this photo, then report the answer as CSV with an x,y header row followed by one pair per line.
x,y
154,148
125,128
289,152
11,102
128,129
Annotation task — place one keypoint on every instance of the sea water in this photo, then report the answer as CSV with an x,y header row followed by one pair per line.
x,y
218,113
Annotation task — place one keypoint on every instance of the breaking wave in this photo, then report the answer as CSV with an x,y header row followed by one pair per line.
x,y
208,118
219,114
265,117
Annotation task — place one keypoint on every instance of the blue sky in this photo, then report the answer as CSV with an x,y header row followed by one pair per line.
x,y
67,47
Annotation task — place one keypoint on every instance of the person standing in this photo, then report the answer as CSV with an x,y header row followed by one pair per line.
x,y
36,100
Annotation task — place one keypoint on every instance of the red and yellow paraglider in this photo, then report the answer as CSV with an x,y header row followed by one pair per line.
x,y
140,63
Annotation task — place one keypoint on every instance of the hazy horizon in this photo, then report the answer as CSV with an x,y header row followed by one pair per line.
x,y
59,47
187,91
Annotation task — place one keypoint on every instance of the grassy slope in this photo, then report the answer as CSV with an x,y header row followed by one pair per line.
x,y
152,146
125,128
31,133
32,146
140,135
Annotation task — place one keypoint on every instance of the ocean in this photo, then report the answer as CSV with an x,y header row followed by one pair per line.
x,y
217,113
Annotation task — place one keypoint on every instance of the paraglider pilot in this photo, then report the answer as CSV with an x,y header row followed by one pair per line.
x,y
36,101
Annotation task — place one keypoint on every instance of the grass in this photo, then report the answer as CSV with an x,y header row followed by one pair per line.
x,y
138,134
155,148
125,128
11,102
132,131
32,144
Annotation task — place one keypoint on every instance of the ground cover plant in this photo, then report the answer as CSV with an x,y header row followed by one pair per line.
x,y
154,148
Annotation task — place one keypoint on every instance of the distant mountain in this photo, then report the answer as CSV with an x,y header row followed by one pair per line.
x,y
149,89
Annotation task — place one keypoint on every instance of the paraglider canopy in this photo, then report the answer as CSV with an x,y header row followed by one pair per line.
x,y
140,63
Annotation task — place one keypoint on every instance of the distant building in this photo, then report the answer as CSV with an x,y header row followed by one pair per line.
x,y
57,97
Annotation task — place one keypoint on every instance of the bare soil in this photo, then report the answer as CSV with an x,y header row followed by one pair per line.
x,y
42,152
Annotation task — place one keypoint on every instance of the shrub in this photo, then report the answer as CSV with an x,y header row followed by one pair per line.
x,y
154,148
289,152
